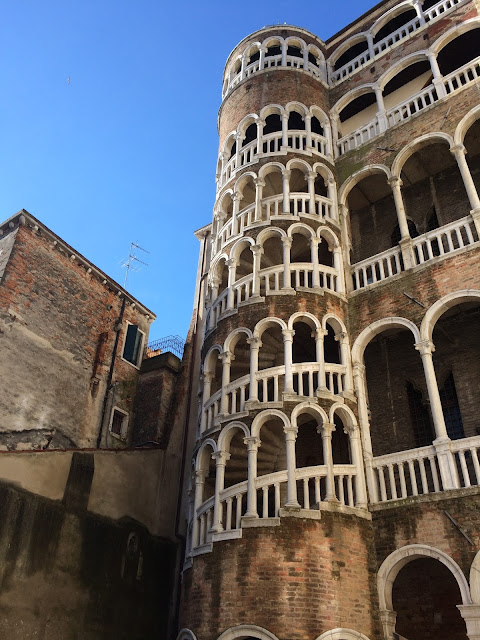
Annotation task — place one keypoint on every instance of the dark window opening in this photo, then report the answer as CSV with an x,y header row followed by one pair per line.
x,y
316,127
320,188
394,24
357,106
396,235
274,50
273,123
325,256
419,416
451,409
351,53
303,348
407,75
295,52
312,58
331,347
250,134
119,423
340,443
254,57
133,344
428,4
459,52
295,121
432,220
233,150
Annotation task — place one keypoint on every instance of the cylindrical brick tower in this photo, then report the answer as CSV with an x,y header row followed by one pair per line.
x,y
280,538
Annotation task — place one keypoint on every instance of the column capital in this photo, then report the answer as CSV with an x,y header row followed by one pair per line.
x,y
290,432
395,181
208,376
231,262
287,241
341,337
288,335
200,475
239,136
236,195
227,357
326,429
311,174
255,342
216,280
221,457
252,443
425,347
259,182
319,333
458,150
256,249
315,241
285,115
358,368
260,123
286,173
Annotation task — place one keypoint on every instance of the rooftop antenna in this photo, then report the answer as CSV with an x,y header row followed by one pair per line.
x,y
128,263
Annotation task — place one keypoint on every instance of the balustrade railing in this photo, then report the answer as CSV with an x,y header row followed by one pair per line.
x,y
462,76
439,9
396,36
211,410
351,66
219,307
413,105
205,521
237,393
243,289
358,137
305,377
378,268
272,142
466,452
450,237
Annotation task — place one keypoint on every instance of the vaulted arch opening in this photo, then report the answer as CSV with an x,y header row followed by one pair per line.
x,y
459,52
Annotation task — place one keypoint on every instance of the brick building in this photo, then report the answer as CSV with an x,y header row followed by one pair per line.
x,y
334,489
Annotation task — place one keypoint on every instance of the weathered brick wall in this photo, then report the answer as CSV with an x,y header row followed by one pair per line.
x,y
297,580
52,313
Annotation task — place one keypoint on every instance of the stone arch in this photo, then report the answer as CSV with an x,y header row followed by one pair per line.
x,y
377,327
269,167
389,15
240,245
442,305
454,32
208,355
297,163
300,227
327,234
324,171
273,41
215,266
228,142
304,316
398,559
232,338
245,122
415,145
219,205
227,433
312,409
248,51
350,96
335,322
465,123
242,180
263,416
247,631
265,323
270,233
342,634
186,634
390,73
475,579
346,414
271,109
345,46
201,454
297,40
356,177
320,114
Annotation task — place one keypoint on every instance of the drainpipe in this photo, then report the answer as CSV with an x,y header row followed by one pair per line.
x,y
118,325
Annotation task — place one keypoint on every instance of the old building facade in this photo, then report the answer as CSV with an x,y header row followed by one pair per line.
x,y
334,479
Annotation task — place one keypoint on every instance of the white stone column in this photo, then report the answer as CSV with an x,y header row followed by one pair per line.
x,y
437,75
371,50
261,61
284,130
381,113
445,457
360,390
417,5
471,615
242,68
305,59
197,503
405,243
257,251
260,124
227,359
236,197
310,178
214,295
326,431
327,132
290,438
459,152
314,241
334,119
342,339
284,54
357,461
388,620
255,344
239,137
286,191
220,458
308,129
223,159
207,385
259,184
338,266
232,271
252,446
287,245
319,339
288,358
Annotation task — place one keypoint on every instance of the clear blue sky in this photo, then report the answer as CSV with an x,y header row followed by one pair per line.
x,y
127,151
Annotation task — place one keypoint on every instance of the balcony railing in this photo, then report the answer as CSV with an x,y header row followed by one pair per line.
x,y
417,472
358,137
392,40
448,239
413,105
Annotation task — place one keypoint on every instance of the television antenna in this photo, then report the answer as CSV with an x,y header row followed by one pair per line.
x,y
132,258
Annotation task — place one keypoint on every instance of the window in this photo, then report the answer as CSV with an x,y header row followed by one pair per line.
x,y
119,423
132,348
